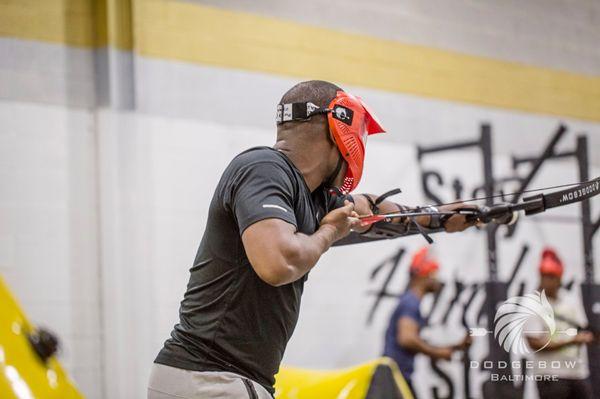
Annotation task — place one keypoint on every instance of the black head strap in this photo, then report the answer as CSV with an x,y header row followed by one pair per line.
x,y
298,111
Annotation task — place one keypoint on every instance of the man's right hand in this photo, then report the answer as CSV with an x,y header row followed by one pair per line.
x,y
446,353
464,344
341,220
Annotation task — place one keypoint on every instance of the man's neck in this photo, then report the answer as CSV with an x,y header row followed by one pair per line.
x,y
417,290
551,295
311,172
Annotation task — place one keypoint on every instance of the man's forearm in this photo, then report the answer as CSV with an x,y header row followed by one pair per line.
x,y
454,223
417,345
540,344
307,251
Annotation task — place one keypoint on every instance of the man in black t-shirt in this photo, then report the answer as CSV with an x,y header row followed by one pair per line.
x,y
273,214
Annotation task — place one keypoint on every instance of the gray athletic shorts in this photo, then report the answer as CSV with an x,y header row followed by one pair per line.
x,y
173,383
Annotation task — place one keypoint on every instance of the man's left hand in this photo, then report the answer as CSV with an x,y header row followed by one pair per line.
x,y
457,222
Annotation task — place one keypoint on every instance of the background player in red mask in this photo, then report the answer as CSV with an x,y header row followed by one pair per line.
x,y
402,339
570,380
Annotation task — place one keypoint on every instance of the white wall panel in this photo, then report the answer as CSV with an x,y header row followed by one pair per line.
x,y
48,231
250,100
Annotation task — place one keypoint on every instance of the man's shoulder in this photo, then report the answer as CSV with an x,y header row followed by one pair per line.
x,y
410,298
408,302
570,306
564,302
258,155
265,161
261,164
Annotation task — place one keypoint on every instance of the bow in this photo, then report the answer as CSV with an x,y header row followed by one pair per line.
x,y
504,213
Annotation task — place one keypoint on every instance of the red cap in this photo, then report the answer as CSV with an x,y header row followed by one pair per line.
x,y
551,263
423,264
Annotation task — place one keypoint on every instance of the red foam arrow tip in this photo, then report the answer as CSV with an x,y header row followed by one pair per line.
x,y
367,220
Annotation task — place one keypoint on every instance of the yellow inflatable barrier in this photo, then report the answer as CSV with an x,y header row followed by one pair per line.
x,y
23,372
377,379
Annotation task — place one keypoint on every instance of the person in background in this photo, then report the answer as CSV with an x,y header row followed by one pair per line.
x,y
402,337
571,379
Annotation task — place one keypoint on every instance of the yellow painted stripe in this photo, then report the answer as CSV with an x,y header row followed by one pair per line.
x,y
205,35
113,22
79,23
200,34
59,21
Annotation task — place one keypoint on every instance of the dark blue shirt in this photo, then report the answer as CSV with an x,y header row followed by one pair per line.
x,y
408,306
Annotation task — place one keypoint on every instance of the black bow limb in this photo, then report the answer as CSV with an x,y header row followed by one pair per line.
x,y
504,213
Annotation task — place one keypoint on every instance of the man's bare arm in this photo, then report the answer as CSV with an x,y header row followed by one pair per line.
x,y
280,255
455,223
539,343
408,338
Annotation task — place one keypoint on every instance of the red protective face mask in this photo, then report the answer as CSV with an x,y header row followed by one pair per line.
x,y
350,122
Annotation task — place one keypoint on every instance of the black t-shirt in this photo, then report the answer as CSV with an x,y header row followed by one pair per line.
x,y
231,320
